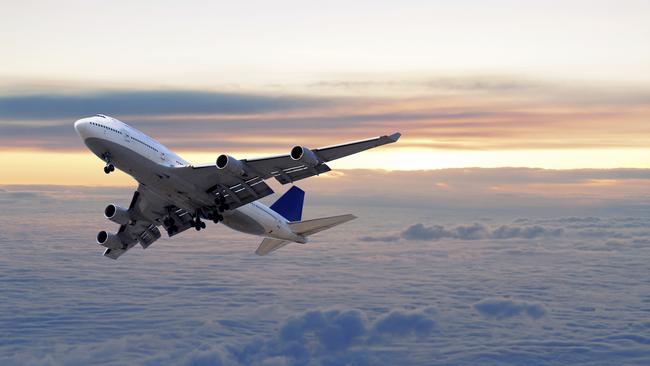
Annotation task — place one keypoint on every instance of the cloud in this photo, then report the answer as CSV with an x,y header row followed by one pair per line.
x,y
332,302
324,337
526,232
506,308
469,119
475,231
403,323
387,239
335,330
147,102
420,232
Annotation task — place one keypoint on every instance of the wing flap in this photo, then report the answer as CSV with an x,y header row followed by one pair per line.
x,y
236,191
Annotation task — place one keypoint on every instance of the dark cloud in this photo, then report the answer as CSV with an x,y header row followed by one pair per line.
x,y
506,308
54,106
387,239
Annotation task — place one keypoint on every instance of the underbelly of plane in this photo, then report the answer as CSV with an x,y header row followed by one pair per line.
x,y
239,221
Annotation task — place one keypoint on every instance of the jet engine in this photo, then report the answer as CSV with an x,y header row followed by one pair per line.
x,y
304,155
117,214
230,165
108,240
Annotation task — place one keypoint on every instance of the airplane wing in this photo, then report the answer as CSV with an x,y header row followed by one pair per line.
x,y
244,183
287,169
147,211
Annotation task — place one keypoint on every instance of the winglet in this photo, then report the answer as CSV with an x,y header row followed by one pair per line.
x,y
394,137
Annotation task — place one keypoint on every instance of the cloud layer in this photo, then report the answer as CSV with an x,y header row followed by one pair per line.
x,y
206,298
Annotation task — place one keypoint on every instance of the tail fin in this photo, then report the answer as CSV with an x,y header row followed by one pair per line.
x,y
304,228
310,227
290,204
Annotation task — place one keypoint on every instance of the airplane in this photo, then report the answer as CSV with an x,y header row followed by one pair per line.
x,y
177,195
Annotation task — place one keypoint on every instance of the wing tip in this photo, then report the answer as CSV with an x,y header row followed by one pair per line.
x,y
394,137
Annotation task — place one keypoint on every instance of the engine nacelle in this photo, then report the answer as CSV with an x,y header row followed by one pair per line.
x,y
304,155
117,214
110,241
230,164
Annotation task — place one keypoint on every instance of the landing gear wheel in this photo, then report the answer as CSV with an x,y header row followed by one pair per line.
x,y
202,225
109,168
173,229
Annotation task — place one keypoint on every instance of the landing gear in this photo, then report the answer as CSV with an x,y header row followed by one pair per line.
x,y
216,217
198,224
221,204
109,167
171,226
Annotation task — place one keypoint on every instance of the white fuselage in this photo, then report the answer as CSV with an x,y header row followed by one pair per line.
x,y
145,159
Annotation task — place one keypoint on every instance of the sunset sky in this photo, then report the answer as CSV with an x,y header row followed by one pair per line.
x,y
508,226
555,84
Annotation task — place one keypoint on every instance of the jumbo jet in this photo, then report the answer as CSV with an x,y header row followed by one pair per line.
x,y
178,196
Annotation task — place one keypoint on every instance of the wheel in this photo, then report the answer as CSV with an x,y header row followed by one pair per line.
x,y
197,227
111,167
202,225
106,170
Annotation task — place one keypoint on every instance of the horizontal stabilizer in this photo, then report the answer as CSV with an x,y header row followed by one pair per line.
x,y
310,227
270,245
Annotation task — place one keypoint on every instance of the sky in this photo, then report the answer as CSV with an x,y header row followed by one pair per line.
x,y
557,85
508,226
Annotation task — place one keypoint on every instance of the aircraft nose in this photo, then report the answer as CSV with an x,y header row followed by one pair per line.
x,y
80,126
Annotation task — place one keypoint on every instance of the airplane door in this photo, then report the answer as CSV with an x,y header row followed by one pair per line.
x,y
127,137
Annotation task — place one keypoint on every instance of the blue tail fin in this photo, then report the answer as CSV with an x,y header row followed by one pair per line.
x,y
290,204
